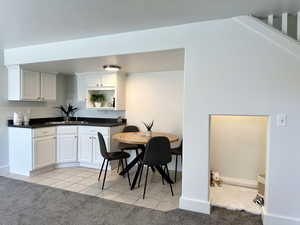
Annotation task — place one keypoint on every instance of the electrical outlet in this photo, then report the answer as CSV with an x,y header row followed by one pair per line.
x,y
281,120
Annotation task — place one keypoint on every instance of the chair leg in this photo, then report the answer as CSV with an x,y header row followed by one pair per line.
x,y
141,174
101,170
146,182
152,168
176,168
136,152
105,174
121,160
128,173
118,166
162,179
170,183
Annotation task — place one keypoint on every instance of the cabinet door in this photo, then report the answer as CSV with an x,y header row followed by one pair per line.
x,y
109,80
48,86
93,81
97,157
85,148
44,152
30,85
66,148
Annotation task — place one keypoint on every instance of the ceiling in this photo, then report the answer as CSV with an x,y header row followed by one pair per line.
x,y
170,60
27,22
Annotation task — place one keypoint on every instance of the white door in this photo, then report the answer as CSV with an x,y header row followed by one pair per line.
x,y
97,157
30,85
85,148
48,86
66,148
44,152
109,80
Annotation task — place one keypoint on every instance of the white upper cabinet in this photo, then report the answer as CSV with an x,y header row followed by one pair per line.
x,y
48,86
110,84
98,80
25,85
109,80
30,85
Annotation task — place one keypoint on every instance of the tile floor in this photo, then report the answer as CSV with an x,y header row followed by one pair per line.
x,y
85,181
234,197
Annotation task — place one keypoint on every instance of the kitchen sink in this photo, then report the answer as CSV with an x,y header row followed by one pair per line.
x,y
66,122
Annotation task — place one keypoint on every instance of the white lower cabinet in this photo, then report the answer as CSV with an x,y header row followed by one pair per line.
x,y
85,148
67,144
30,150
44,151
66,148
88,145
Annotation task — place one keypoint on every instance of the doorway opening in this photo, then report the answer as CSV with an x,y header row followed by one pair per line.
x,y
238,147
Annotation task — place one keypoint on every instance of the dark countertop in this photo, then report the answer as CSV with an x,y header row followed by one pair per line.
x,y
80,121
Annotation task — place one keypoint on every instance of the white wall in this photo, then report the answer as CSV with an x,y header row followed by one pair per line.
x,y
7,108
156,96
238,146
232,66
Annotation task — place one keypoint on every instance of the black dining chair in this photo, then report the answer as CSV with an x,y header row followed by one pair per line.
x,y
124,146
110,156
177,152
157,154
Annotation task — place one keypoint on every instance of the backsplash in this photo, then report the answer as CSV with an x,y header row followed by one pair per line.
x,y
83,112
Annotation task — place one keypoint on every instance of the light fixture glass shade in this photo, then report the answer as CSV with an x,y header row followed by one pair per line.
x,y
111,67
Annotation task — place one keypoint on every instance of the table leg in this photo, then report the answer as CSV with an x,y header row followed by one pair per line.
x,y
131,164
137,159
164,175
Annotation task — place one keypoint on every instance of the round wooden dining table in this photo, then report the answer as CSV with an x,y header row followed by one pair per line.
x,y
140,139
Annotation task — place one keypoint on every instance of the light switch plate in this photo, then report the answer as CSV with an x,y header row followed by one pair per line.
x,y
281,120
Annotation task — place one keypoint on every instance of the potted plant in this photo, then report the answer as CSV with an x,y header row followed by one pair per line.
x,y
97,100
67,111
93,99
148,126
100,100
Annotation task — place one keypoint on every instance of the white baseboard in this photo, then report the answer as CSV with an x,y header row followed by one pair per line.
x,y
4,170
271,219
66,165
194,205
240,182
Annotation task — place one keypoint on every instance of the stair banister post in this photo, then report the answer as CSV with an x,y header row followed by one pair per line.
x,y
298,26
284,27
271,19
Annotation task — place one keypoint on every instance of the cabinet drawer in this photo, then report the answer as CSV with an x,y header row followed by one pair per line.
x,y
42,132
67,130
93,130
